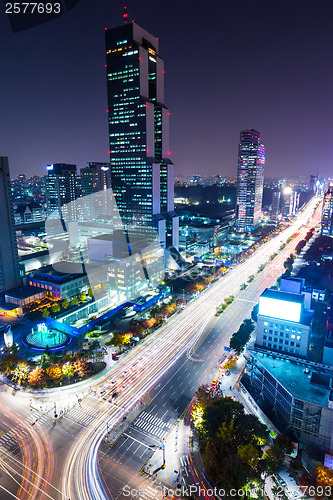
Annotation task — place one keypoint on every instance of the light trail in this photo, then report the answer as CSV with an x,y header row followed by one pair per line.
x,y
81,480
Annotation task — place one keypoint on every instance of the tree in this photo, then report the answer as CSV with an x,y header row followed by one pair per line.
x,y
21,372
45,313
82,296
65,303
56,308
285,443
240,338
324,475
119,340
273,458
37,377
8,363
68,370
54,372
81,367
90,293
75,300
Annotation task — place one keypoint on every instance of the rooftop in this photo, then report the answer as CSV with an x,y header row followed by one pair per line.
x,y
24,292
71,270
286,296
312,386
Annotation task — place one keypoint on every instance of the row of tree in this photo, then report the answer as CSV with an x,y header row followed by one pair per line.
x,y
240,338
66,303
38,376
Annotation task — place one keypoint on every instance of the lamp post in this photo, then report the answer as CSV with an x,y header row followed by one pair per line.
x,y
163,450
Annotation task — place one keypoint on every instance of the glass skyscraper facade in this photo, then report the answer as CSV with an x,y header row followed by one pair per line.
x,y
96,179
327,215
63,188
142,176
250,180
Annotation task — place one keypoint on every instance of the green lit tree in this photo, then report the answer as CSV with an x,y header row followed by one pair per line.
x,y
65,303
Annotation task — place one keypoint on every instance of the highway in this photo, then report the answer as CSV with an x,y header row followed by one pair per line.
x,y
185,334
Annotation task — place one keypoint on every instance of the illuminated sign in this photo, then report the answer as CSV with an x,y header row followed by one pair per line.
x,y
280,309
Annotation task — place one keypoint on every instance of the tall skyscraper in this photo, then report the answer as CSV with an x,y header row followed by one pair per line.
x,y
142,175
9,261
327,215
250,180
63,188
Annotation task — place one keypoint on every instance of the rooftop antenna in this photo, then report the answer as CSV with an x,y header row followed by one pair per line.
x,y
125,15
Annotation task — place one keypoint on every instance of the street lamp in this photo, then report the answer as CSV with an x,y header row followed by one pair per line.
x,y
163,449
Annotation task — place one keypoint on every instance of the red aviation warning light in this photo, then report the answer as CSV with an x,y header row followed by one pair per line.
x,y
125,15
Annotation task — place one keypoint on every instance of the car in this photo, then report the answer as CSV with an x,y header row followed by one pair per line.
x,y
215,382
102,392
115,395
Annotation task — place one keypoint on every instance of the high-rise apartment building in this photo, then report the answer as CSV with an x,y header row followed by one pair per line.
x,y
9,261
250,180
63,188
327,215
142,175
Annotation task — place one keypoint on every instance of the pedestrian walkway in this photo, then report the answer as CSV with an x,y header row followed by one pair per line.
x,y
82,414
7,441
152,425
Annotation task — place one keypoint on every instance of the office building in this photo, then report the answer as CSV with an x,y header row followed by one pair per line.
x,y
133,267
327,214
63,188
9,261
289,201
96,181
298,393
142,175
276,200
285,318
250,180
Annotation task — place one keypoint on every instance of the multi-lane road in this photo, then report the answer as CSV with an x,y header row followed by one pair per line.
x,y
68,459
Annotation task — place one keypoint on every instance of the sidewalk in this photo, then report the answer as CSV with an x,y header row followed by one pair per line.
x,y
166,465
113,435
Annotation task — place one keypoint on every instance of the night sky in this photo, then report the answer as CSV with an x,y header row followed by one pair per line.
x,y
233,64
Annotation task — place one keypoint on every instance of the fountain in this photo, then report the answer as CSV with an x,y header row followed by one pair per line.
x,y
43,337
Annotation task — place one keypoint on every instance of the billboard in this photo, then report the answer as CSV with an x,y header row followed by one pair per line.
x,y
280,309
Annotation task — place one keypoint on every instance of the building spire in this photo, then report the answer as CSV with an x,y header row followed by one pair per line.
x,y
125,15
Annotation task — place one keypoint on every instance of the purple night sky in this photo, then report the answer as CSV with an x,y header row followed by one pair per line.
x,y
230,64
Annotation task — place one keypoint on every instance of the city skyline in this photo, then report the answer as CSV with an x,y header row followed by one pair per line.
x,y
293,105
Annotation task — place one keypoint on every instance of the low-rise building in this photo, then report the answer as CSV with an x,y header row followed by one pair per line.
x,y
58,285
298,392
22,297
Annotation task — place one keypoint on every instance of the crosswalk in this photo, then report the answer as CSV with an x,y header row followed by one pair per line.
x,y
82,414
152,425
7,441
39,418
